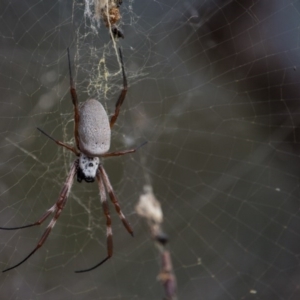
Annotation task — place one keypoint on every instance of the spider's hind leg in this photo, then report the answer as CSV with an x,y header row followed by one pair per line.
x,y
109,241
57,208
113,199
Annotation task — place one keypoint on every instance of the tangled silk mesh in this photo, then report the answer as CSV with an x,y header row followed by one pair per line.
x,y
213,89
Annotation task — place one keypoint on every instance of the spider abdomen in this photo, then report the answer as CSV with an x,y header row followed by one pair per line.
x,y
93,128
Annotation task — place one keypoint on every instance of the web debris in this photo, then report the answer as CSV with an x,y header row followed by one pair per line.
x,y
108,11
149,208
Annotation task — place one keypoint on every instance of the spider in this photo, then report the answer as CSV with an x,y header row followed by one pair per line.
x,y
92,132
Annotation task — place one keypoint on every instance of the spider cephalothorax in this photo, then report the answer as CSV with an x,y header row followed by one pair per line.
x,y
87,169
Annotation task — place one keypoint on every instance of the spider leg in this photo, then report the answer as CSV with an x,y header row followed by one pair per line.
x,y
122,94
38,222
119,153
58,207
113,198
74,101
59,142
108,225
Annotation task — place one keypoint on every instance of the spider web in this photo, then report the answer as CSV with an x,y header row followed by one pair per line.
x,y
214,89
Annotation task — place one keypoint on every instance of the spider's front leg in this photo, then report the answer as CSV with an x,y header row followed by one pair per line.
x,y
74,101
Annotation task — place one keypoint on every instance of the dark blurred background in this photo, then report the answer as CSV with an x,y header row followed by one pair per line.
x,y
214,89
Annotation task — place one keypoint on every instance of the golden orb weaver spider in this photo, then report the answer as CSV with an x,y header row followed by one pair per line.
x,y
92,132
